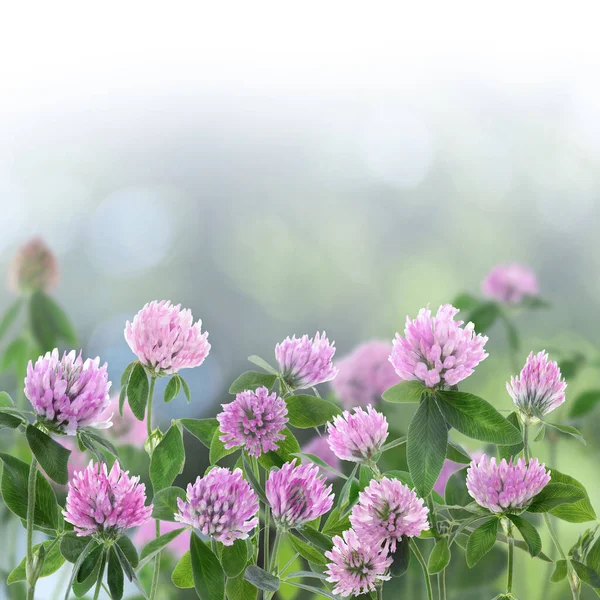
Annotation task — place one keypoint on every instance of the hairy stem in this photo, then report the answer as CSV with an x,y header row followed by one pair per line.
x,y
266,539
442,584
572,576
156,572
526,441
511,552
30,517
423,564
99,580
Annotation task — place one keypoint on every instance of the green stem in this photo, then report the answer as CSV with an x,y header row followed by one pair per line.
x,y
380,591
256,470
30,517
511,552
572,577
100,575
266,559
526,442
273,562
423,564
442,584
156,571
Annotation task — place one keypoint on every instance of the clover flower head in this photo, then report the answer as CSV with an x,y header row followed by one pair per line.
x,y
437,350
34,268
104,503
165,338
509,284
255,420
357,436
505,487
68,393
305,362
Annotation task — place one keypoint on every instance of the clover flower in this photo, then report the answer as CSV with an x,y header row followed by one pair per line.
x,y
505,487
387,510
539,388
297,494
510,283
357,436
221,505
305,362
436,350
165,338
254,420
356,567
364,374
34,268
67,393
105,503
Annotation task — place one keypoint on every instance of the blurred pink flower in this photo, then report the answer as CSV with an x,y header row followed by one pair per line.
x,y
34,268
539,388
364,374
126,430
506,486
356,567
450,467
436,350
147,532
305,362
165,338
319,446
510,283
105,503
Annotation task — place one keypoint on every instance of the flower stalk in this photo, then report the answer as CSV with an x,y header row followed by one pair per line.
x,y
30,567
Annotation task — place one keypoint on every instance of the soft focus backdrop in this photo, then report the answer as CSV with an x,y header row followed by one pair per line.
x,y
284,170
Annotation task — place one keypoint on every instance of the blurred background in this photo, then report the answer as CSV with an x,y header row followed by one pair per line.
x,y
285,169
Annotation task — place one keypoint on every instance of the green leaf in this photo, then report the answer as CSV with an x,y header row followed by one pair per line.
x,y
586,574
456,494
529,534
344,495
570,367
336,523
209,579
128,550
115,576
484,316
165,503
405,391
186,389
260,579
402,476
137,391
16,353
53,561
401,558
10,316
263,364
286,449
426,445
508,451
217,448
99,442
153,547
14,492
237,588
305,411
321,463
173,388
553,495
182,576
167,459
481,541
560,571
6,401
316,538
10,421
124,383
439,557
49,323
584,403
540,434
576,512
250,380
72,546
568,430
89,564
202,429
234,558
465,302
476,418
254,481
52,456
86,550
307,551
456,453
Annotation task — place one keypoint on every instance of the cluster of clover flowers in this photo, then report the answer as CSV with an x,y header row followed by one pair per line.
x,y
369,534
